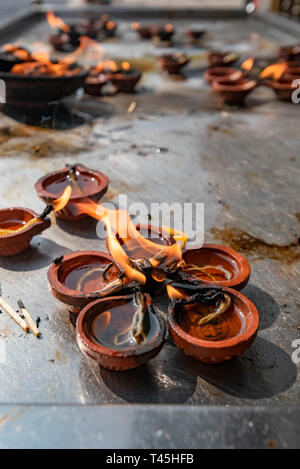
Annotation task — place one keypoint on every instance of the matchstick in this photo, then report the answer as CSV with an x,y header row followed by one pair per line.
x,y
28,318
13,314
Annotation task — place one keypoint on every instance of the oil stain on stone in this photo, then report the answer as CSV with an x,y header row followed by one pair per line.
x,y
254,247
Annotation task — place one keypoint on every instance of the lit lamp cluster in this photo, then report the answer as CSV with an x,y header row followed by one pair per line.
x,y
109,295
234,84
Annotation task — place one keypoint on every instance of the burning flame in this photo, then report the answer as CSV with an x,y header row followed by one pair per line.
x,y
42,64
169,28
56,22
248,64
118,222
16,50
275,71
106,65
125,66
61,202
135,26
173,293
110,25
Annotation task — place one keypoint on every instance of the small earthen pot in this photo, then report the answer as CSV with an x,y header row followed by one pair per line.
x,y
145,32
283,88
125,82
216,73
234,92
221,59
238,326
91,183
100,322
289,53
14,218
194,34
232,265
163,33
79,268
173,63
93,84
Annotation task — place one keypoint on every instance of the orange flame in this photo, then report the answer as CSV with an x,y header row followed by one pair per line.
x,y
43,65
19,52
61,202
110,25
118,222
275,71
248,64
173,293
135,26
125,66
106,65
56,22
169,28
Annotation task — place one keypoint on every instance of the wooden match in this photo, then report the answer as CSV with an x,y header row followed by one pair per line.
x,y
28,318
13,314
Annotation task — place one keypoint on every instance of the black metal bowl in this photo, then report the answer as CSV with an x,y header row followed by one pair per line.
x,y
23,90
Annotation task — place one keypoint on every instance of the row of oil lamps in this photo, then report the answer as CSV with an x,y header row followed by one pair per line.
x,y
117,323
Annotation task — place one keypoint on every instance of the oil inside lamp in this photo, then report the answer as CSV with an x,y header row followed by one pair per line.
x,y
82,183
127,324
208,315
90,276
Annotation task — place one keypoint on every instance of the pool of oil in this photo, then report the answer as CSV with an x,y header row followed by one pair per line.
x,y
82,184
111,328
88,277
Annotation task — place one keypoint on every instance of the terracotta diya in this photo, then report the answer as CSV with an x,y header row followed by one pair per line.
x,y
145,32
81,277
234,92
284,87
99,76
221,59
194,33
85,183
125,78
212,326
17,228
121,332
173,63
217,264
291,52
216,73
163,34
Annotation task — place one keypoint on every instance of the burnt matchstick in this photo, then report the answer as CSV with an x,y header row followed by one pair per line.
x,y
28,318
12,313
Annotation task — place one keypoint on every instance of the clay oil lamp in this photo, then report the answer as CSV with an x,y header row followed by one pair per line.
x,y
17,228
42,81
221,59
162,35
215,73
79,278
289,53
276,78
234,92
194,34
284,87
19,225
145,32
121,333
211,325
99,76
173,63
216,264
85,183
108,27
13,54
64,39
125,78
